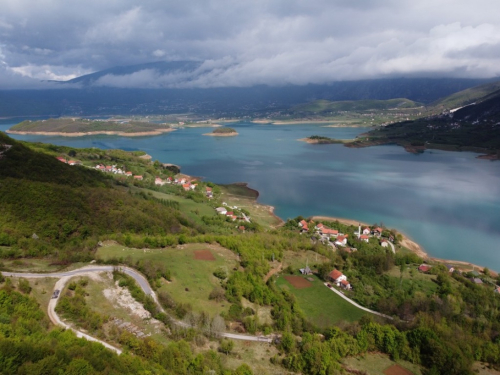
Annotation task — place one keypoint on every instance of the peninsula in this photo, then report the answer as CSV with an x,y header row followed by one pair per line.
x,y
223,132
320,140
76,127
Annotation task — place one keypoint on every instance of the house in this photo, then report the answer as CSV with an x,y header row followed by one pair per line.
x,y
233,218
349,249
186,187
497,289
476,280
450,268
384,243
377,231
229,213
366,230
364,237
208,192
169,180
139,178
241,228
341,240
330,232
108,168
336,276
424,268
128,174
159,181
193,186
61,159
221,210
303,223
319,226
305,271
345,284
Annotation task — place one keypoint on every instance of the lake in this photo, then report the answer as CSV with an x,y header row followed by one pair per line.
x,y
448,202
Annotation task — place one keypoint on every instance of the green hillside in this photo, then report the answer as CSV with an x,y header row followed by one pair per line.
x,y
49,207
319,106
465,97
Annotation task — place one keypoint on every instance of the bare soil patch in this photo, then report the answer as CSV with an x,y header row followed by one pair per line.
x,y
397,370
203,255
298,282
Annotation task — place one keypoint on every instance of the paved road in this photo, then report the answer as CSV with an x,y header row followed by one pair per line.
x,y
140,279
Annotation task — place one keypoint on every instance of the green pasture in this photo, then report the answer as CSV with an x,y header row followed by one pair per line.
x,y
376,363
192,279
320,305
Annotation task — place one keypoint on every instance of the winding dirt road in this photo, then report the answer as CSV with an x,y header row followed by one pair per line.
x,y
140,279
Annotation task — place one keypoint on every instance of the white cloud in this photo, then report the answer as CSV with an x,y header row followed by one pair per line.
x,y
278,42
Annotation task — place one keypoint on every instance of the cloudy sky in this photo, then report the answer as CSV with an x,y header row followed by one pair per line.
x,y
242,43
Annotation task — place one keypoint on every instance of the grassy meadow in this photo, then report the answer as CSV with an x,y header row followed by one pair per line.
x,y
192,279
320,305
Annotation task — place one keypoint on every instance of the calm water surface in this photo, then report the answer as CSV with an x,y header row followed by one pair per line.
x,y
446,201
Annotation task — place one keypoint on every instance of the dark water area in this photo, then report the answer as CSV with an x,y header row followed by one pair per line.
x,y
448,202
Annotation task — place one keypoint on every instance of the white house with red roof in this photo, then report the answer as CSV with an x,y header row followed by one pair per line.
x,y
61,159
424,268
384,243
193,186
128,174
159,181
345,284
303,223
341,240
336,276
138,177
366,231
186,187
364,237
319,226
377,231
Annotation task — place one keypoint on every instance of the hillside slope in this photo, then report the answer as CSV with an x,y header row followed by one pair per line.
x,y
49,207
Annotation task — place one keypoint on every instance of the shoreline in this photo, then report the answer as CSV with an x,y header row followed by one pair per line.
x,y
101,132
409,244
297,122
221,134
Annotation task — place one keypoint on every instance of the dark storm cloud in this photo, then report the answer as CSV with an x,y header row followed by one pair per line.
x,y
245,43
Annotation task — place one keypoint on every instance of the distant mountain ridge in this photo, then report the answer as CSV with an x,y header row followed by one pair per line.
x,y
94,94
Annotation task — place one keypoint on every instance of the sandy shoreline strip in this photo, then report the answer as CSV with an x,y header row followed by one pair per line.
x,y
221,134
103,132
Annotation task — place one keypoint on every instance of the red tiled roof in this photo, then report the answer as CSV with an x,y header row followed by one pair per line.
x,y
378,229
230,213
303,222
335,274
138,177
209,188
320,225
364,237
329,231
241,227
345,282
424,268
341,238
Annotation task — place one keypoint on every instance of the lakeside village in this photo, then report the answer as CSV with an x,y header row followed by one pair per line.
x,y
337,240
328,236
187,184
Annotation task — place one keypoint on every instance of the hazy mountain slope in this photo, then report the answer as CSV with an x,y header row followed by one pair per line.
x,y
320,106
467,96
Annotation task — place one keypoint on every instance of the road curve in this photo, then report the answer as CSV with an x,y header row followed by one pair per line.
x,y
140,279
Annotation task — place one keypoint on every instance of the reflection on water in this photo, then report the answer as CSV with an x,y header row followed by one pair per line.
x,y
448,202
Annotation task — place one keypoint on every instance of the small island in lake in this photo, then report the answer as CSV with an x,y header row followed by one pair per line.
x,y
223,132
318,139
75,127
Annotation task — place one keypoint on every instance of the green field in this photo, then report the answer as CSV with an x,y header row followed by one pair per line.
x,y
320,305
187,272
376,363
189,207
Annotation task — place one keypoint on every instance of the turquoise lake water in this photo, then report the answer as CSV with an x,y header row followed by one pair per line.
x,y
448,202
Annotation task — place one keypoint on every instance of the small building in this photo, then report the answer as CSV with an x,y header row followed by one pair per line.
x,y
477,280
341,240
384,243
345,284
128,174
330,232
241,228
305,271
336,276
208,192
366,231
159,181
319,226
303,223
139,178
186,187
497,289
377,231
450,268
221,210
424,268
364,237
61,159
